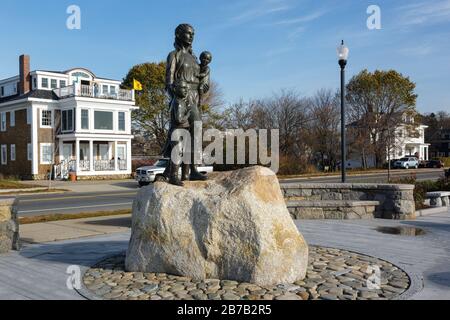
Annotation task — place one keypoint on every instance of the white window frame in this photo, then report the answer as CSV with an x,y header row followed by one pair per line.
x,y
113,121
12,118
62,120
51,119
3,121
124,121
30,152
13,152
29,115
4,154
42,82
53,83
124,147
46,145
61,82
88,119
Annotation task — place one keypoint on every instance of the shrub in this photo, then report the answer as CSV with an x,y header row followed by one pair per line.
x,y
446,161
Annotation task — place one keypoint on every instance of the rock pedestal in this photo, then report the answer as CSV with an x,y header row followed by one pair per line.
x,y
233,227
9,225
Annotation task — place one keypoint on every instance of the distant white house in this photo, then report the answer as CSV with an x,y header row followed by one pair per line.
x,y
406,142
68,121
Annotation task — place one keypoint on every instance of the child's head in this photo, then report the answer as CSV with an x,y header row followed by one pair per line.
x,y
181,89
206,58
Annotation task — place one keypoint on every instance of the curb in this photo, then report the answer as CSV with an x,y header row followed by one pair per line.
x,y
431,211
31,191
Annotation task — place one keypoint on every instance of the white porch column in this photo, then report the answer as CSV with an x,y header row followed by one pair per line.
x,y
61,147
129,155
77,156
116,162
91,155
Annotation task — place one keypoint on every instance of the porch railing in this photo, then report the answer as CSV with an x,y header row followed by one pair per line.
x,y
85,165
122,165
104,165
93,92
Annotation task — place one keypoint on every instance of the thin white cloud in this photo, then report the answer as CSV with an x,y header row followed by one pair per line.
x,y
257,13
278,51
294,34
421,50
429,12
307,18
260,9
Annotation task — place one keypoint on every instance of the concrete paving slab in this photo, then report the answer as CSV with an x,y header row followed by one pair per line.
x,y
39,271
74,229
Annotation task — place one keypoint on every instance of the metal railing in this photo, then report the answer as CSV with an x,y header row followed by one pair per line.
x,y
85,165
104,165
93,92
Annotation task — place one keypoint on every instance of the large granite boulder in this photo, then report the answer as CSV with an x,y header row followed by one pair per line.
x,y
9,225
233,227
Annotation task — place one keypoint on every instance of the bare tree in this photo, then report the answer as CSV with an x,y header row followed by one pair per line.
x,y
324,136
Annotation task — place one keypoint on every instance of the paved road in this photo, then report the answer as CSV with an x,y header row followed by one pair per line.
x,y
75,202
36,205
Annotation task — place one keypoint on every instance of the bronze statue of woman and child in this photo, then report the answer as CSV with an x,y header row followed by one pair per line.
x,y
187,81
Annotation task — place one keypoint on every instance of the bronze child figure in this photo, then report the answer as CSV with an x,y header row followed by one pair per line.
x,y
205,73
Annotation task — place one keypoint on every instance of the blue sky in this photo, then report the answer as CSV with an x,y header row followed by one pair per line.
x,y
259,46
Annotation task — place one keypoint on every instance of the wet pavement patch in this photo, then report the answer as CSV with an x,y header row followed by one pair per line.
x,y
402,231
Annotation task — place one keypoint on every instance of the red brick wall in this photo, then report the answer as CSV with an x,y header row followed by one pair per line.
x,y
20,135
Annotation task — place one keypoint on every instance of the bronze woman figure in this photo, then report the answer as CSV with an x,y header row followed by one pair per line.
x,y
184,72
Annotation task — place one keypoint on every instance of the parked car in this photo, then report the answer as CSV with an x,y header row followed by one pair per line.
x,y
435,164
423,164
150,174
407,163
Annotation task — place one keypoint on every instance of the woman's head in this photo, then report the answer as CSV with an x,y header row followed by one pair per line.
x,y
184,35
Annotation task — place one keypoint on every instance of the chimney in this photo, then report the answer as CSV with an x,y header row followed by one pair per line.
x,y
24,76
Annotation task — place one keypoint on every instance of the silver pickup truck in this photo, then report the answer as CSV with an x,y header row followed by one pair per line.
x,y
147,175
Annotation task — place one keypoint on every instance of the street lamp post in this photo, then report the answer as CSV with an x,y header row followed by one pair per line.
x,y
343,52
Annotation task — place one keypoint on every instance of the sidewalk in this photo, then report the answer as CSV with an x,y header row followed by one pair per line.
x,y
74,229
39,270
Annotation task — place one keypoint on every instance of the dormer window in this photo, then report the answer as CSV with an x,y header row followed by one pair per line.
x,y
44,82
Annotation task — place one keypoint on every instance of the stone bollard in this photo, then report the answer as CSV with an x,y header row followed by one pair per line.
x,y
445,201
9,225
436,202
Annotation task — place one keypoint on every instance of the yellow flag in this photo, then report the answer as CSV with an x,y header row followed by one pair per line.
x,y
137,85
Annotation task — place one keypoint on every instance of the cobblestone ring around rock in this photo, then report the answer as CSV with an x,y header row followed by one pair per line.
x,y
333,274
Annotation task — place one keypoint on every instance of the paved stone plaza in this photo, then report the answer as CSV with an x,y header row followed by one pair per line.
x,y
39,271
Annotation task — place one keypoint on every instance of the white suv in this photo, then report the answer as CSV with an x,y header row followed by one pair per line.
x,y
407,163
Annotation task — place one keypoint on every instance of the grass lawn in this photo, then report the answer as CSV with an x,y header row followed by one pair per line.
x,y
75,216
12,184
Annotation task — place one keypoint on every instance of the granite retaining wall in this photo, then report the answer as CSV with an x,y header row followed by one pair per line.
x,y
395,201
9,225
